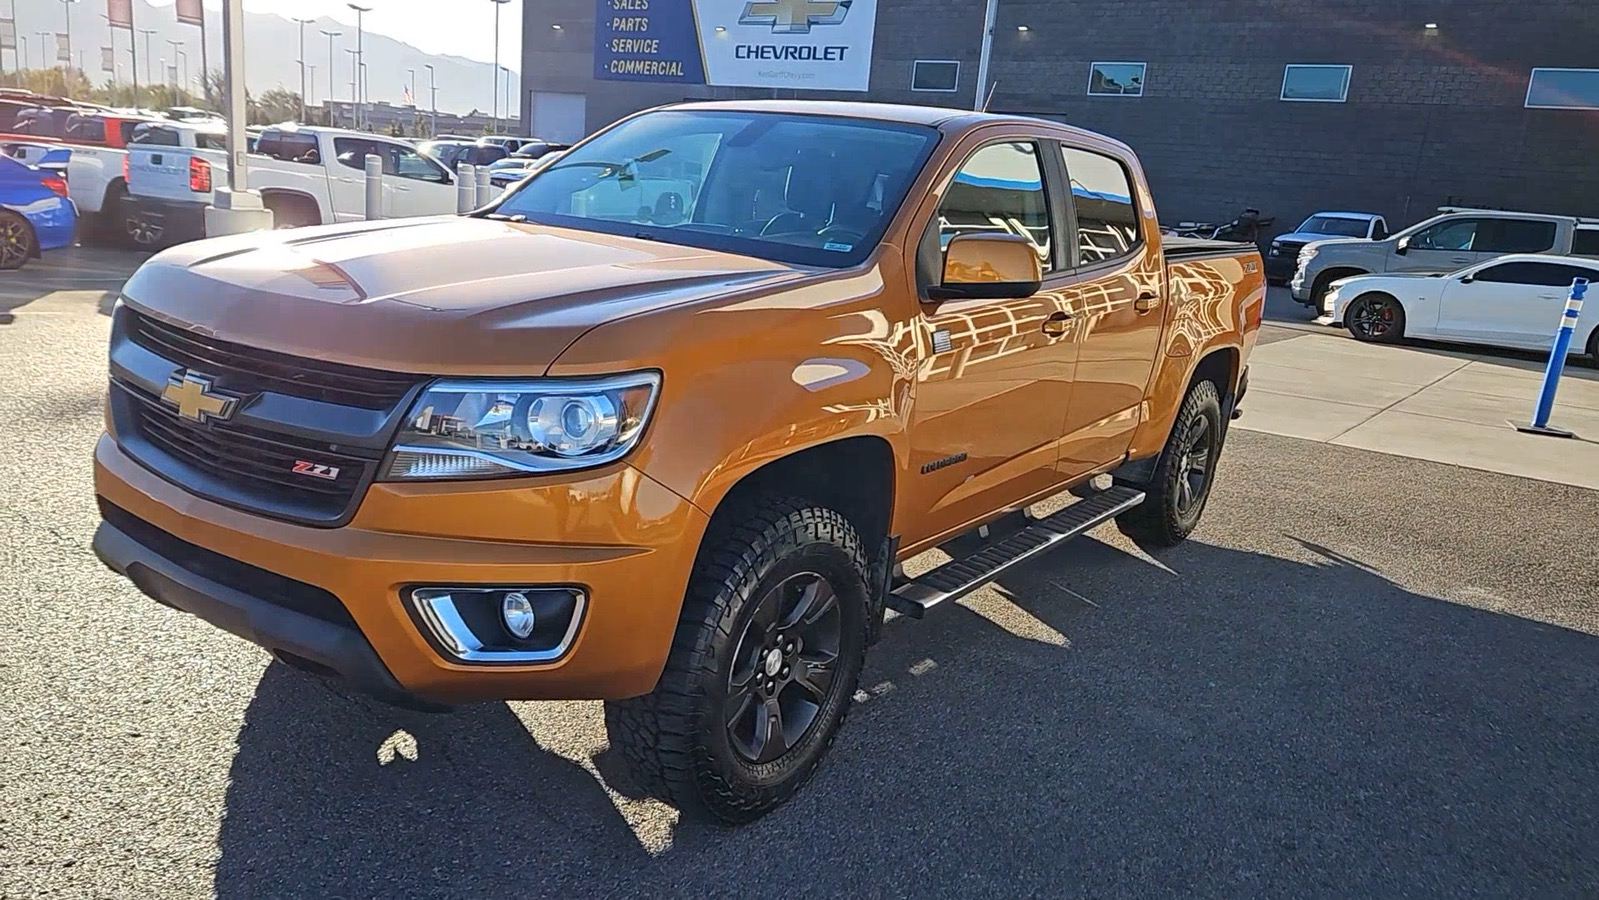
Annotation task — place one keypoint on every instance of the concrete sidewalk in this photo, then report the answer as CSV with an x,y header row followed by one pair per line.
x,y
1424,403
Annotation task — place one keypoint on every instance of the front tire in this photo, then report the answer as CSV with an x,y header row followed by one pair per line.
x,y
1375,318
1175,497
763,667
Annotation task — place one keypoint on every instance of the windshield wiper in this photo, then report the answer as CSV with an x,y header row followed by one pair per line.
x,y
502,217
628,169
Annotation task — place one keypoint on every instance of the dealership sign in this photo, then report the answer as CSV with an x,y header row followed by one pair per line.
x,y
798,44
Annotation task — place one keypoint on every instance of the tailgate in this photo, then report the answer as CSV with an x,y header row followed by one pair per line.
x,y
164,173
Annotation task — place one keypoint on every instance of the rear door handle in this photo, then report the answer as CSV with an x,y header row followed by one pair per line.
x,y
1055,325
1461,259
1146,301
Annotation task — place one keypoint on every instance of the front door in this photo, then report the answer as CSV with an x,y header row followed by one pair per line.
x,y
1447,246
421,186
996,378
1115,298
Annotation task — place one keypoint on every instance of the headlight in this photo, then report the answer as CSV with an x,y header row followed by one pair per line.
x,y
483,428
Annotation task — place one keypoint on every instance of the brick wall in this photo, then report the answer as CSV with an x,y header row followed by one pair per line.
x,y
1430,115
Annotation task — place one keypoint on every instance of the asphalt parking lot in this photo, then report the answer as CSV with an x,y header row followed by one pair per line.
x,y
1366,675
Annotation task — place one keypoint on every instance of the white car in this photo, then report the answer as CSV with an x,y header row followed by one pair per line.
x,y
1512,301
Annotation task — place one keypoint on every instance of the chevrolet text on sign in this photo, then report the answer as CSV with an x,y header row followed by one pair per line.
x,y
805,44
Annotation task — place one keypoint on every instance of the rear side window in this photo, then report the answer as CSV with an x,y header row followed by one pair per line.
x,y
126,130
86,128
1514,236
1107,215
289,147
1585,242
211,141
1538,274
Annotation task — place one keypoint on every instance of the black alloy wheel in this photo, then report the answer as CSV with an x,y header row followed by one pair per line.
x,y
784,668
1375,318
16,241
1198,454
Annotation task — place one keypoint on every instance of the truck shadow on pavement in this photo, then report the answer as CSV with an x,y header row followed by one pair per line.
x,y
1220,723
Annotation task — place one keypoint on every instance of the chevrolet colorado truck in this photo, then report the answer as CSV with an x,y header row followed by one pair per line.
x,y
660,425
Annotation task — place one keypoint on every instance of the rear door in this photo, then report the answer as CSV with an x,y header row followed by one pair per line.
x,y
1114,295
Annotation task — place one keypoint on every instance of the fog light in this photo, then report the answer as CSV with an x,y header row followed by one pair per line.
x,y
517,613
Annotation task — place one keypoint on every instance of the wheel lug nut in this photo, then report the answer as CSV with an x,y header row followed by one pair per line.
x,y
785,671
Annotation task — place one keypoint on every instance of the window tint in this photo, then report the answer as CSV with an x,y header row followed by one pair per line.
x,y
935,75
1379,231
1325,84
1514,236
126,129
1000,190
155,134
1340,226
1585,242
1102,194
397,160
289,147
1538,274
1116,79
86,128
211,141
1455,234
410,164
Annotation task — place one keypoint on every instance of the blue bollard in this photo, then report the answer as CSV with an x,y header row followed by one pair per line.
x,y
1557,364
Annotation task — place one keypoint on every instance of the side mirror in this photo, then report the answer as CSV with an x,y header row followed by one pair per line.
x,y
1403,246
1467,279
989,267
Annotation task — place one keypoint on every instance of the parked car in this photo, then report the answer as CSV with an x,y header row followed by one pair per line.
x,y
1444,243
454,154
1283,256
306,176
35,213
660,432
505,173
1513,301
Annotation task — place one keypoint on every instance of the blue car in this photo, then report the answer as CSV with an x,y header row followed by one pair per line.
x,y
35,214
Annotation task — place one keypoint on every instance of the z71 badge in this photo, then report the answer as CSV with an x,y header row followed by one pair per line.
x,y
315,470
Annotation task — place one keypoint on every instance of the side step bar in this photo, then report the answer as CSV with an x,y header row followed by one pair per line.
x,y
957,578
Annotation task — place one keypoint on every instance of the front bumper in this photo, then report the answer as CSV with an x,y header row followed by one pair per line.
x,y
1282,266
333,597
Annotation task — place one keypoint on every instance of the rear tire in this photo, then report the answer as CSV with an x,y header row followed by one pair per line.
x,y
292,212
1593,349
18,244
1176,495
775,621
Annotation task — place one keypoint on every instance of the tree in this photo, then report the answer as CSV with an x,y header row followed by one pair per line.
x,y
277,105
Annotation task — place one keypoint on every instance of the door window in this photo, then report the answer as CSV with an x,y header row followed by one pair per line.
x,y
1455,234
288,147
410,164
1102,194
1514,236
999,190
1534,273
1585,242
1379,230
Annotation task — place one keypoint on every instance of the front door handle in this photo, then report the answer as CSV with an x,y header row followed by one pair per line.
x,y
1146,301
1055,325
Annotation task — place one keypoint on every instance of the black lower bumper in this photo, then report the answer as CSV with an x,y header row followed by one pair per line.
x,y
164,221
1281,268
302,641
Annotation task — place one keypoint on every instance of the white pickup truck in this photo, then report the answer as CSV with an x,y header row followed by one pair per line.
x,y
306,176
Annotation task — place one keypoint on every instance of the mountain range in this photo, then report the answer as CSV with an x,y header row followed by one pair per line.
x,y
271,50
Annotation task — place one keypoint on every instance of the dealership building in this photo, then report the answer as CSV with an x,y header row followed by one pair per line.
x,y
1393,107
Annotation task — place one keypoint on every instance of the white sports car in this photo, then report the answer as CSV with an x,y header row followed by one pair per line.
x,y
1511,301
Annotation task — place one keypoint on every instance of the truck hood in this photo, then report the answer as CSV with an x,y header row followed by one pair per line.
x,y
1336,242
1313,237
441,295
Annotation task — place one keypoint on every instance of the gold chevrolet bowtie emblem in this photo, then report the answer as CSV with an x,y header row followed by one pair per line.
x,y
794,16
196,401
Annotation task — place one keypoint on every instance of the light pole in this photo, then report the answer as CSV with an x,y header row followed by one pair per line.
x,y
23,63
497,5
332,70
506,70
413,87
355,79
433,96
986,54
44,49
303,23
177,48
360,18
312,70
66,7
147,32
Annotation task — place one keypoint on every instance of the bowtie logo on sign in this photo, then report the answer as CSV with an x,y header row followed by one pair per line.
x,y
794,16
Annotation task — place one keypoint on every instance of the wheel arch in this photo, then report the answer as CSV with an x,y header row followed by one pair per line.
x,y
293,196
33,233
1327,276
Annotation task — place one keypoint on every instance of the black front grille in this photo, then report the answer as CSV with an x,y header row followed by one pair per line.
x,y
259,466
248,370
271,587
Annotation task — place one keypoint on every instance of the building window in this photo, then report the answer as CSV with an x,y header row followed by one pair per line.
x,y
1316,84
1563,89
935,75
1116,79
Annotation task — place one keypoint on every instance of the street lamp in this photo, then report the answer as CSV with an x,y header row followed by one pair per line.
x,y
433,96
147,32
497,5
66,7
303,23
355,79
308,97
332,70
177,51
360,13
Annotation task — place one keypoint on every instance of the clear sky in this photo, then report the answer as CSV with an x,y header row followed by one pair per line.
x,y
460,27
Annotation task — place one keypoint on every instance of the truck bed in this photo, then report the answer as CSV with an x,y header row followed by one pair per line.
x,y
1181,248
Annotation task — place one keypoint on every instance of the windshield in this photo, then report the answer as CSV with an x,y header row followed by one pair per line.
x,y
808,190
1339,225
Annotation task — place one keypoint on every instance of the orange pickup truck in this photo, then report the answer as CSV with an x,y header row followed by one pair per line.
x,y
660,425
